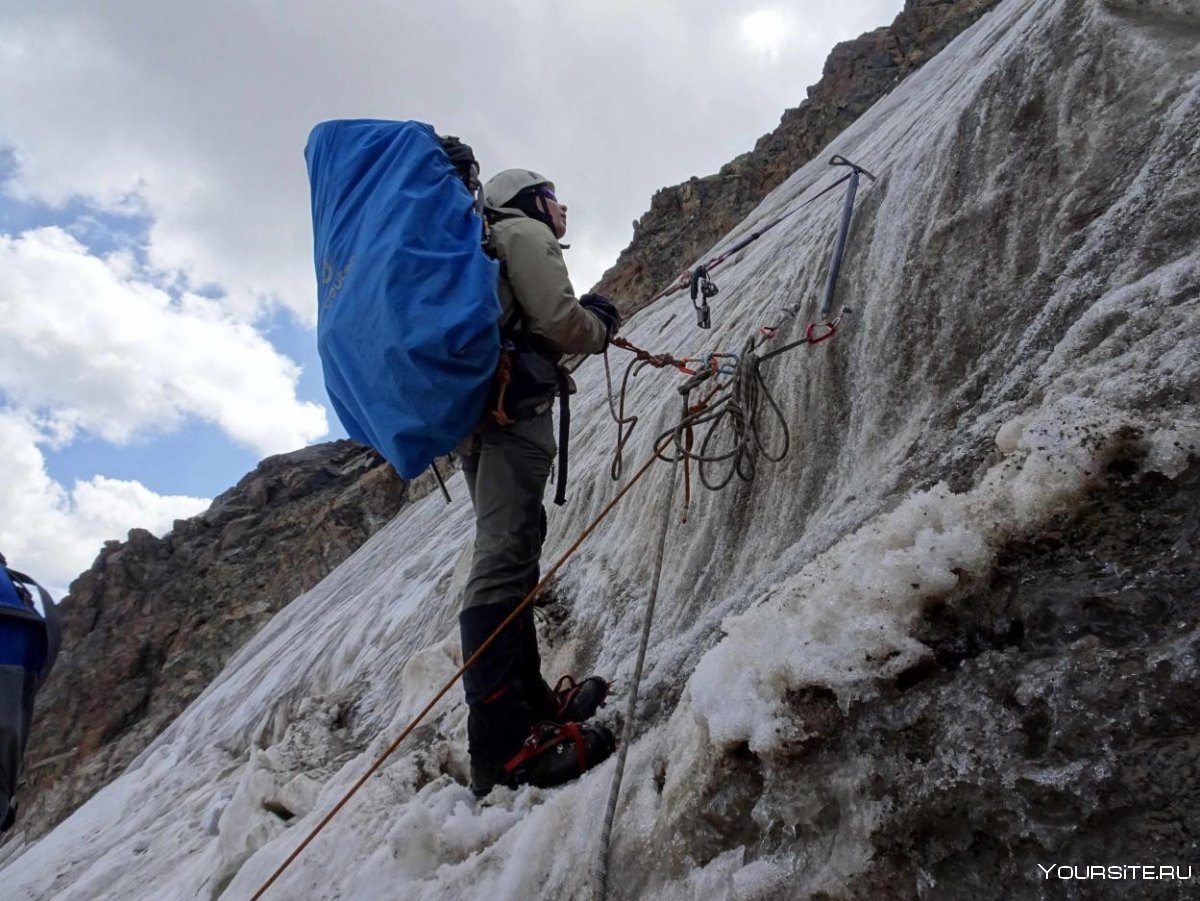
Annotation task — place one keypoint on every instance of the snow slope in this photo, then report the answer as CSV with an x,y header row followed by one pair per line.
x,y
1025,285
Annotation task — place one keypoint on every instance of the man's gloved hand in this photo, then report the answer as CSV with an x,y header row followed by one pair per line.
x,y
605,309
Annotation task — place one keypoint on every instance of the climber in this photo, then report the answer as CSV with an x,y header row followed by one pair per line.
x,y
29,641
519,730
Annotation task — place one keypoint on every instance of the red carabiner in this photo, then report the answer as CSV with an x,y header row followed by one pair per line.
x,y
814,338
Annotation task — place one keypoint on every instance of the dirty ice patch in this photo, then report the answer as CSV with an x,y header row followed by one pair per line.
x,y
844,621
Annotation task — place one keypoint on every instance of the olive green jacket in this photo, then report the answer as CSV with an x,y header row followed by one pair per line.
x,y
534,280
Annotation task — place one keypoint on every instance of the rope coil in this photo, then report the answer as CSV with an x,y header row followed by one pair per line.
x,y
740,410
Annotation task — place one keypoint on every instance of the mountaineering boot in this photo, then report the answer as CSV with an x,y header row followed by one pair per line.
x,y
556,753
499,716
579,701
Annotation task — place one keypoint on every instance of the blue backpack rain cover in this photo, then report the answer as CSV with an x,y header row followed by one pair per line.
x,y
28,639
408,308
22,637
28,643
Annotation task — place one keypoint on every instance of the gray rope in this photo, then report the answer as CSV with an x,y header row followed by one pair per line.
x,y
740,410
601,875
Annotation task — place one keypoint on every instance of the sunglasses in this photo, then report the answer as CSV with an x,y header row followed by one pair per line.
x,y
545,192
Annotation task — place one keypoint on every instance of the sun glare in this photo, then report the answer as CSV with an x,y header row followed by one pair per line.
x,y
765,31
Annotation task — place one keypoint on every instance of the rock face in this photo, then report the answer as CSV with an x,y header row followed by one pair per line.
x,y
685,220
155,619
1054,724
1070,673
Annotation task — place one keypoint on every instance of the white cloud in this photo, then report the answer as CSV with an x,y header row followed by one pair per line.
x,y
54,534
109,354
200,111
766,31
194,116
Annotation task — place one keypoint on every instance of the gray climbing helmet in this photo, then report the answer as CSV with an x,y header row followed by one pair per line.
x,y
504,186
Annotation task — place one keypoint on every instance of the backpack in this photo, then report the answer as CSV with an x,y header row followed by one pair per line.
x,y
408,303
29,643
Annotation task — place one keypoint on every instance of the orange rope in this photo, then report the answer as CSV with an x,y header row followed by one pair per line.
x,y
659,360
684,281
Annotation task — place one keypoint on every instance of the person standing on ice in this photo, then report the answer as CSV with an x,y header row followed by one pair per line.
x,y
519,730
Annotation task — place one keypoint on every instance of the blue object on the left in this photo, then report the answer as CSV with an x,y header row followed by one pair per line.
x,y
408,304
21,631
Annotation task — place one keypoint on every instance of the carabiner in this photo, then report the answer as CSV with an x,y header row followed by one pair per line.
x,y
715,364
814,338
703,288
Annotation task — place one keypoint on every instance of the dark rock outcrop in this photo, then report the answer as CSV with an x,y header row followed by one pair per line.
x,y
1057,722
155,619
685,220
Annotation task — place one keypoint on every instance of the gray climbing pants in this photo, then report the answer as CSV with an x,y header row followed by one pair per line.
x,y
506,469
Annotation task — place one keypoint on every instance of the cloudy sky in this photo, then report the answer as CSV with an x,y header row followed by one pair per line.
x,y
157,297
